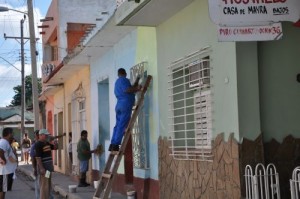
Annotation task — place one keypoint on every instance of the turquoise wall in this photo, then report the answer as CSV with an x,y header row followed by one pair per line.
x,y
184,33
103,122
248,90
279,90
136,47
105,67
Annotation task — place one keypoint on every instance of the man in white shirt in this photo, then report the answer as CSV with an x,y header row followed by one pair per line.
x,y
8,162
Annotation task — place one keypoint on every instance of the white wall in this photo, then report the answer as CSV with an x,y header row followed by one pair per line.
x,y
78,11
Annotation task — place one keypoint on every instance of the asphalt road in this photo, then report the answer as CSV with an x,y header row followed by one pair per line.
x,y
23,188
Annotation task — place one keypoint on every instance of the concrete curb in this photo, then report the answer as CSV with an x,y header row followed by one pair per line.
x,y
26,172
57,189
62,192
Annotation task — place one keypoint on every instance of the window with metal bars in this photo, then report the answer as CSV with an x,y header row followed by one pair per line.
x,y
139,141
54,53
190,122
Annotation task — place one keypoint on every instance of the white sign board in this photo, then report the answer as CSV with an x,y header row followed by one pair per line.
x,y
253,12
250,33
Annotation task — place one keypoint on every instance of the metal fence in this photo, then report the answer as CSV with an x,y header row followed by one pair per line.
x,y
263,183
295,183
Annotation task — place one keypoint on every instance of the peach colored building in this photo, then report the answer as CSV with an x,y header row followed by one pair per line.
x,y
66,90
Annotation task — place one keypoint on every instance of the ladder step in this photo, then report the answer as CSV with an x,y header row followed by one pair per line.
x,y
106,175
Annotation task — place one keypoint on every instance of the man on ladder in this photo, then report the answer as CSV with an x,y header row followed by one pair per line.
x,y
125,94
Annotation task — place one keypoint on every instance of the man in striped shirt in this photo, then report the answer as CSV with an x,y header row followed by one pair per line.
x,y
44,163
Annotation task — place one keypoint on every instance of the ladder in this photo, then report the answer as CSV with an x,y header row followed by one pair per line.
x,y
106,180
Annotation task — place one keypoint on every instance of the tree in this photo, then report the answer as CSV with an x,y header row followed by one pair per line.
x,y
28,92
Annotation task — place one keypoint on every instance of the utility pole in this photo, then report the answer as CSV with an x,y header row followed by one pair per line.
x,y
22,75
22,79
35,99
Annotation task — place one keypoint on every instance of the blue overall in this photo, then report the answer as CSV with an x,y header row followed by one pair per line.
x,y
125,102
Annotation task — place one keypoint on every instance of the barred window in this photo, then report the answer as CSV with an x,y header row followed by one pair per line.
x,y
139,131
190,122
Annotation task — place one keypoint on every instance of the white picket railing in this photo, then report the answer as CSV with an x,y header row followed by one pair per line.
x,y
295,183
263,184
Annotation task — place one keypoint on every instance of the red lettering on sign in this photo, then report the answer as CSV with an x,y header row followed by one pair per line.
x,y
252,1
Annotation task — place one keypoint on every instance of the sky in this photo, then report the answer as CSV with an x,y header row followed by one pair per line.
x,y
10,57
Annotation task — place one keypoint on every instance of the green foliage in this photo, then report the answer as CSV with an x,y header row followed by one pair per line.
x,y
28,92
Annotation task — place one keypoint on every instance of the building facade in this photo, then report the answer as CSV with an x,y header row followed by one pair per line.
x,y
212,107
221,104
66,88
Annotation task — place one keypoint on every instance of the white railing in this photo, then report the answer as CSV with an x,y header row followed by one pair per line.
x,y
263,184
295,183
119,2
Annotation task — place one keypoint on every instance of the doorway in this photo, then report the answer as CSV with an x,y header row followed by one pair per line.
x,y
104,118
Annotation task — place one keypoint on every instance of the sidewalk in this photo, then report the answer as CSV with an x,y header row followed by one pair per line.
x,y
61,182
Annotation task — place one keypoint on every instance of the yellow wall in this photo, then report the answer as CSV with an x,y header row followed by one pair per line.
x,y
61,100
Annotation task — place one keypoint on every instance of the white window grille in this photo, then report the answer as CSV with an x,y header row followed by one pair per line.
x,y
190,118
82,115
203,119
139,144
139,141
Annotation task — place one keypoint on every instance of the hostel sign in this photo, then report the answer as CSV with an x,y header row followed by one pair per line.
x,y
253,12
252,20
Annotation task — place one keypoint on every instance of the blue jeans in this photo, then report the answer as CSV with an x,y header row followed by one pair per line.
x,y
123,115
83,166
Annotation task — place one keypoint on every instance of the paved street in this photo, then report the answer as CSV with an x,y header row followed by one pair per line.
x,y
23,188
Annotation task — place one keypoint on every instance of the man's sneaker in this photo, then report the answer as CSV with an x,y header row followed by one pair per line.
x,y
87,184
113,147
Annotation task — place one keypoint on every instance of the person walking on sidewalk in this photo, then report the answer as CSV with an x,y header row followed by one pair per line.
x,y
44,163
8,162
84,154
125,94
26,144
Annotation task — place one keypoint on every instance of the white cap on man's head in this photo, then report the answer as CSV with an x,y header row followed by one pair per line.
x,y
44,132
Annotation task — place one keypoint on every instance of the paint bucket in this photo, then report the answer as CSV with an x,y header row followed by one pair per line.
x,y
96,183
72,188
